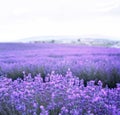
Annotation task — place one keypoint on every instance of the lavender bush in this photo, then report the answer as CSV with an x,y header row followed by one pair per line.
x,y
59,95
88,63
35,79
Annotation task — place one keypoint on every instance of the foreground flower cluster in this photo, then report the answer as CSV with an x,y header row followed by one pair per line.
x,y
59,95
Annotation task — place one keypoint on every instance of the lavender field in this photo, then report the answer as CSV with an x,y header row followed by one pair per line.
x,y
59,79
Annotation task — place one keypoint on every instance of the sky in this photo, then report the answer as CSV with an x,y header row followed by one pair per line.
x,y
84,18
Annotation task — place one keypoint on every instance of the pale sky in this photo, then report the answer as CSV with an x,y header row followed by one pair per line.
x,y
85,18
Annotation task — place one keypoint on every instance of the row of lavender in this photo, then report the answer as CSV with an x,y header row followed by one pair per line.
x,y
59,95
88,63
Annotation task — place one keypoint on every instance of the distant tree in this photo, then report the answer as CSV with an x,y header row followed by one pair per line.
x,y
78,40
37,41
52,41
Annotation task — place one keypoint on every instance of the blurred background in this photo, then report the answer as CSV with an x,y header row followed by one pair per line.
x,y
28,20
